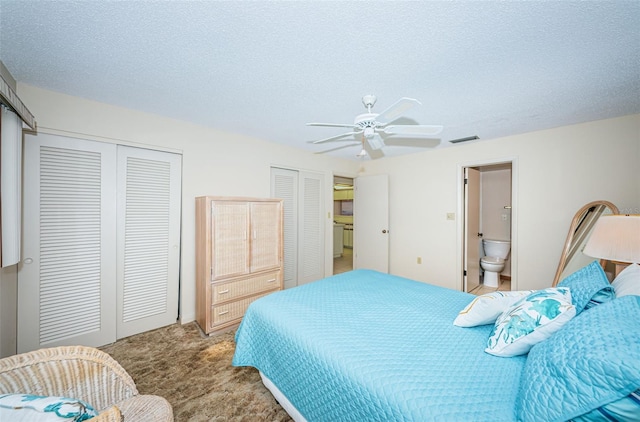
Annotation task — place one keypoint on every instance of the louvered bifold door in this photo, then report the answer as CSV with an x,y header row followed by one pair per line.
x,y
311,228
284,185
148,229
65,290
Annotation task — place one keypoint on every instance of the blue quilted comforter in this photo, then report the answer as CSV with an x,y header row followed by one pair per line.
x,y
366,346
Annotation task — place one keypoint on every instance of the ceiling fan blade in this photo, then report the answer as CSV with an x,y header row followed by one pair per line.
x,y
337,138
412,142
412,130
351,125
337,148
397,109
373,153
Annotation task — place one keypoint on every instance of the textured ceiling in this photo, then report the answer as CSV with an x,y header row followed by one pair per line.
x,y
264,69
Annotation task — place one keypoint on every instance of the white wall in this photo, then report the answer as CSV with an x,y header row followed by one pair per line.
x,y
495,194
495,186
557,171
214,162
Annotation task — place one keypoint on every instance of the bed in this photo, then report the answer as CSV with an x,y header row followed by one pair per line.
x,y
367,346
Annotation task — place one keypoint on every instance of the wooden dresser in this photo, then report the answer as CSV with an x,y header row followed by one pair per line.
x,y
239,257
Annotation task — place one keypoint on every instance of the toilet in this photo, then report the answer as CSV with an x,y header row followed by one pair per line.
x,y
496,252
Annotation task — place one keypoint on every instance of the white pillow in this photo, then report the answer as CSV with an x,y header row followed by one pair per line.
x,y
628,281
529,321
31,408
486,308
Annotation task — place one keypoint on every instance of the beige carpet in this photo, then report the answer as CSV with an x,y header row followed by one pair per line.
x,y
195,375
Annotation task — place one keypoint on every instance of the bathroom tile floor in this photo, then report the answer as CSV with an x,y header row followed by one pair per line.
x,y
480,290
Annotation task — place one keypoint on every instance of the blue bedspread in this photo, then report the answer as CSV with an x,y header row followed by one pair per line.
x,y
367,346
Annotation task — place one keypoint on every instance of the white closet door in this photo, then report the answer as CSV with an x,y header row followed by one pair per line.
x,y
284,185
304,229
65,289
148,239
311,227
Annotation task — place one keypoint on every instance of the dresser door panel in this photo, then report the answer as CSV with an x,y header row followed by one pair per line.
x,y
230,231
266,235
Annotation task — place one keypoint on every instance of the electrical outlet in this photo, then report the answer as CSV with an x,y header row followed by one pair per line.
x,y
419,260
451,216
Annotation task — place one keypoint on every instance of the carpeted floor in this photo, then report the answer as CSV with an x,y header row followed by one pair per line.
x,y
195,375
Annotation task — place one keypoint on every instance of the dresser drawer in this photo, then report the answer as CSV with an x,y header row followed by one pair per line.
x,y
232,310
222,292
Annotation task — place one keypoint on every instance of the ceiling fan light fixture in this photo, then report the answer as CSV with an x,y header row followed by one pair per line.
x,y
369,132
375,142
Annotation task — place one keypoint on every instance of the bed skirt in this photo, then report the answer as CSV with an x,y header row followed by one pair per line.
x,y
282,399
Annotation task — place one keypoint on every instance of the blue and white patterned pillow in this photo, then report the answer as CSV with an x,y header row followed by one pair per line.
x,y
30,408
530,321
589,287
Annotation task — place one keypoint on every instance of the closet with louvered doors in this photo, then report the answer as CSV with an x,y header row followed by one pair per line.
x,y
101,242
239,257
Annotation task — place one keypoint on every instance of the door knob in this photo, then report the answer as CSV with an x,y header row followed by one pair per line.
x,y
479,234
384,231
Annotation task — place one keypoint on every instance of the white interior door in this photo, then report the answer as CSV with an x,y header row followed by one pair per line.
x,y
472,228
371,222
65,284
148,239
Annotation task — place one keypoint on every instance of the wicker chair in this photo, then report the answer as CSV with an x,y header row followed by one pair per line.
x,y
84,373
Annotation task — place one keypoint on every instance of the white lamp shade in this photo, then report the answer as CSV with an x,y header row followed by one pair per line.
x,y
616,238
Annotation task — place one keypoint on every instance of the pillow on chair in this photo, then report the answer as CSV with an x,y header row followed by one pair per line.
x,y
32,408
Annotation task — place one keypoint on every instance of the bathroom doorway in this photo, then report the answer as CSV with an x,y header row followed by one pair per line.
x,y
342,224
487,198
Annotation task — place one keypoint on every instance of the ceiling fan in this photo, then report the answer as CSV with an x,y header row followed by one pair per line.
x,y
372,131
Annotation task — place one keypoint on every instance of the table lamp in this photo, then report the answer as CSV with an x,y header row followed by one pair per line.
x,y
616,238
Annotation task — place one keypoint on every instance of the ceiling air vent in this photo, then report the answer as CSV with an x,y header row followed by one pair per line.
x,y
467,139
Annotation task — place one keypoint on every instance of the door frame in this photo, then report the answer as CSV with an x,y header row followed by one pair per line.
x,y
346,175
460,220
